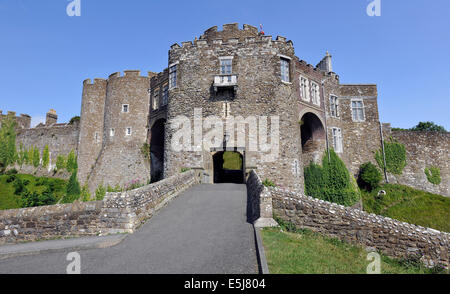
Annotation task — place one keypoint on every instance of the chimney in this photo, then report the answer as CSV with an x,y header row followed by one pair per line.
x,y
51,117
325,64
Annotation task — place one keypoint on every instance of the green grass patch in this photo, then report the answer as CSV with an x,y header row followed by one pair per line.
x,y
410,205
232,161
38,185
306,252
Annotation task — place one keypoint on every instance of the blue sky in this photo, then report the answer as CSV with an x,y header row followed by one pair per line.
x,y
45,54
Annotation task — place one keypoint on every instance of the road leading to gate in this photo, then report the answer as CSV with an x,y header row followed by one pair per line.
x,y
203,231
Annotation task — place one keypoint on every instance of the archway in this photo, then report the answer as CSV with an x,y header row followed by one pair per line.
x,y
157,150
228,167
313,138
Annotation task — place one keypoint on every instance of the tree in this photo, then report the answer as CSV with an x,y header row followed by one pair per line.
x,y
71,164
60,162
45,157
369,176
7,142
428,126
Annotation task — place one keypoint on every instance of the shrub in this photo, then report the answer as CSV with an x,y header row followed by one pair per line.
x,y
395,157
428,126
145,150
12,171
268,183
32,199
60,162
433,175
314,182
21,155
74,119
71,164
185,169
11,178
85,194
369,176
29,156
73,190
100,192
19,186
36,157
331,182
45,157
7,142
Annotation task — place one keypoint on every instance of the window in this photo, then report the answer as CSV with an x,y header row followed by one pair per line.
x,y
334,106
128,132
226,66
125,108
337,139
304,93
112,132
358,110
285,70
165,95
315,94
155,104
173,76
97,138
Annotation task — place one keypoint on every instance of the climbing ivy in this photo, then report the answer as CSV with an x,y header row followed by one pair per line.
x,y
433,175
395,157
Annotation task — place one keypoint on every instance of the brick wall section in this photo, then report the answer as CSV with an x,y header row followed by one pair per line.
x,y
424,149
118,212
392,237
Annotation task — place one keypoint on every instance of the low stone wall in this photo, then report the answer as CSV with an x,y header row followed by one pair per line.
x,y
392,237
259,210
118,212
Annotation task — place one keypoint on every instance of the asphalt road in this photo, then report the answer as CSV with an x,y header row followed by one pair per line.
x,y
203,231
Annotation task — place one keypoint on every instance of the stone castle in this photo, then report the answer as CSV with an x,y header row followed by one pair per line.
x,y
233,72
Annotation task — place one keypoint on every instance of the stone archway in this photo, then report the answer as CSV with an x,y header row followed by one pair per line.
x,y
228,167
313,138
157,138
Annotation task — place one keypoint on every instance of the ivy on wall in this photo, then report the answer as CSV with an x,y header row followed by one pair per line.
x,y
433,175
395,157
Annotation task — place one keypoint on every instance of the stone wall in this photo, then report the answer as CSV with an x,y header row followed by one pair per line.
x,y
60,138
259,202
423,150
117,213
392,237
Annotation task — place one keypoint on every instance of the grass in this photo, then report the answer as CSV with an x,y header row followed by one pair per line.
x,y
410,205
306,252
8,200
232,161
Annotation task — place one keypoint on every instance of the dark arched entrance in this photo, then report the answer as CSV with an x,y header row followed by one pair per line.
x,y
313,138
157,150
228,167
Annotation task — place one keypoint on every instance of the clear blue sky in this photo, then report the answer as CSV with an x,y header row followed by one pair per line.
x,y
45,54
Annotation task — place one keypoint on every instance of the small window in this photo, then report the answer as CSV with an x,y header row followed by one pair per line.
x,y
337,139
165,95
315,93
128,132
173,76
97,137
334,106
112,132
358,110
285,70
304,93
226,66
155,104
125,108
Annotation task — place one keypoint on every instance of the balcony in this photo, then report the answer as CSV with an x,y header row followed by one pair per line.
x,y
225,81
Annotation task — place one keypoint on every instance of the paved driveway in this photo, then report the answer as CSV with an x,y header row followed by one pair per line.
x,y
203,231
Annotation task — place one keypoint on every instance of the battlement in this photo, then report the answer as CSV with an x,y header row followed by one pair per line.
x,y
231,34
126,73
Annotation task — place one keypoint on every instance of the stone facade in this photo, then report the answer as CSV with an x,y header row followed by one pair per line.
x,y
117,213
265,79
23,121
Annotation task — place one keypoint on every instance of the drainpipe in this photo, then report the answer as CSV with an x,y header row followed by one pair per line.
x,y
384,154
326,125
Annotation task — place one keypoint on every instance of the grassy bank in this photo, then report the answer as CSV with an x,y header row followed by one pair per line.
x,y
410,205
11,195
305,252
